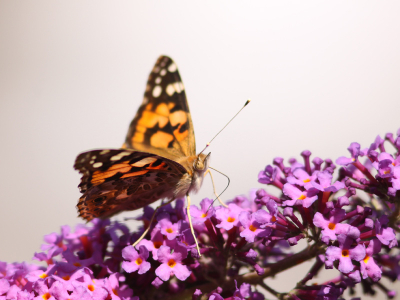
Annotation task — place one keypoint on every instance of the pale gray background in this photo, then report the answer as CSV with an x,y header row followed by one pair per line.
x,y
72,74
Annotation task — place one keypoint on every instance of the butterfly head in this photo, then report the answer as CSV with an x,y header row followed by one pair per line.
x,y
201,162
200,166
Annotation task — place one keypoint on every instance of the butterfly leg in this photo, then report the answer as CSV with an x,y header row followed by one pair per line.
x,y
215,192
191,226
151,222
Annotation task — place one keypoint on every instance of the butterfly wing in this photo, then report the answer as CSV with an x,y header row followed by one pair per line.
x,y
163,124
116,180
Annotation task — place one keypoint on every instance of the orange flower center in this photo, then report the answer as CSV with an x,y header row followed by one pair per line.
x,y
157,244
302,197
204,215
44,275
273,219
76,264
331,226
115,292
66,277
171,263
90,287
230,219
252,228
138,261
46,296
366,259
169,230
345,253
306,180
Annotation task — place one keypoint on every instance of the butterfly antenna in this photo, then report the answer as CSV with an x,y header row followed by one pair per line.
x,y
229,181
208,144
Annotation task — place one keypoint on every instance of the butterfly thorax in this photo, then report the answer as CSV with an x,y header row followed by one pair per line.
x,y
191,182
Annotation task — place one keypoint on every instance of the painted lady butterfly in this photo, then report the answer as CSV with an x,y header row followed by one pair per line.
x,y
158,159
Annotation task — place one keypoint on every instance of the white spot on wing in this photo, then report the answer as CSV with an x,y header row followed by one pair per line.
x,y
144,161
170,90
104,152
178,86
158,80
163,72
97,165
172,67
157,91
120,155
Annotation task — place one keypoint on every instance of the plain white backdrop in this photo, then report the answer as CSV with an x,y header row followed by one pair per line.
x,y
72,74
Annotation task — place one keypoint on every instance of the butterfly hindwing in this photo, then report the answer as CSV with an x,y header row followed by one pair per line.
x,y
115,180
163,124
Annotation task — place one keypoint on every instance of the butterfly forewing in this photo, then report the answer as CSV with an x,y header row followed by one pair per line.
x,y
120,179
163,124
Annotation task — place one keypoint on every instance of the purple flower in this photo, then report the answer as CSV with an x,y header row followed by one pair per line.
x,y
157,240
395,179
302,178
157,282
344,253
244,293
268,176
95,287
331,227
4,286
304,198
368,266
55,240
199,216
116,290
186,239
167,228
136,261
197,293
325,179
70,281
385,234
215,296
246,203
42,290
354,150
229,216
81,293
252,224
59,291
330,292
74,262
171,263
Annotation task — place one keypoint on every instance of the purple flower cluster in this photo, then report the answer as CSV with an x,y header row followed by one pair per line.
x,y
76,267
348,223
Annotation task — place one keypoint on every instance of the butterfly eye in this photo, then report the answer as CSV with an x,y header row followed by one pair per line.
x,y
199,164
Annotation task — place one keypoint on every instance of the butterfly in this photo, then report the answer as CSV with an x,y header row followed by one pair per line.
x,y
158,159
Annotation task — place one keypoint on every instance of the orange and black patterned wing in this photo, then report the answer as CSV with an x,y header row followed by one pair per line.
x,y
163,124
123,179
